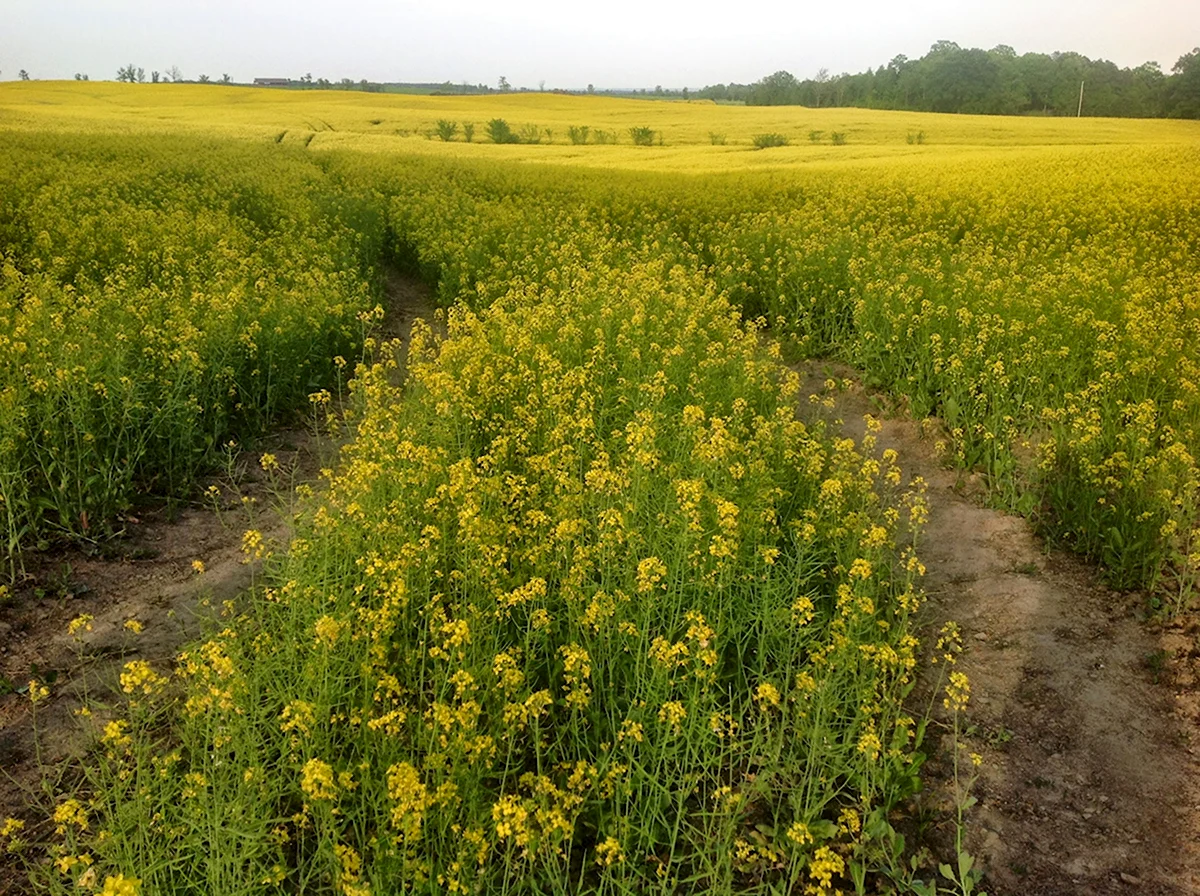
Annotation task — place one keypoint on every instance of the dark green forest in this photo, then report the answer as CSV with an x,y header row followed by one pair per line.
x,y
998,81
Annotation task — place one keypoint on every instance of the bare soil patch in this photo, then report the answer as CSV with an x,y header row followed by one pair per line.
x,y
1084,711
407,300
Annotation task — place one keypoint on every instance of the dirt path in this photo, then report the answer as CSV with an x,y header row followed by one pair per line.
x,y
1082,711
407,301
147,579
146,576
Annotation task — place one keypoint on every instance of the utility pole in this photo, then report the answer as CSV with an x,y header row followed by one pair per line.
x,y
1079,112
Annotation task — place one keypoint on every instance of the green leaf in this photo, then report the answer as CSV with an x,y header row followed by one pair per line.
x,y
965,863
823,829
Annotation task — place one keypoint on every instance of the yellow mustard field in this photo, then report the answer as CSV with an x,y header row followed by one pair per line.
x,y
588,604
404,123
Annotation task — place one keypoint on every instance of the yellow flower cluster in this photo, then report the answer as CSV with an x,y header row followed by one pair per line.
x,y
120,885
10,831
317,780
70,813
410,800
958,692
609,852
139,676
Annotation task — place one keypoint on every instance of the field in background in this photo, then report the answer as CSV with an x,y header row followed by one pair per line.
x,y
397,123
584,605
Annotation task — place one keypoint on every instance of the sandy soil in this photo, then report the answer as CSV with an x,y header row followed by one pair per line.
x,y
1083,710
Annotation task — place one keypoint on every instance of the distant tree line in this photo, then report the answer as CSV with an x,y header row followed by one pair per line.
x,y
132,74
998,82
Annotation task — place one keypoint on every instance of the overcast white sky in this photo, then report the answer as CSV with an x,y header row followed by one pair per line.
x,y
619,43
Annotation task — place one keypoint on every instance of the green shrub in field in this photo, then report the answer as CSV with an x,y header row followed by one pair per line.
x,y
765,141
642,136
500,132
447,129
578,135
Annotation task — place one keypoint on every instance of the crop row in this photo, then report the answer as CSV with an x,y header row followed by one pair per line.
x,y
1054,327
157,300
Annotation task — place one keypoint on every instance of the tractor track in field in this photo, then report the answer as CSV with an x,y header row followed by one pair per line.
x,y
146,575
1084,712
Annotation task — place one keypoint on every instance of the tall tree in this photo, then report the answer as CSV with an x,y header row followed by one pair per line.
x,y
778,89
1183,99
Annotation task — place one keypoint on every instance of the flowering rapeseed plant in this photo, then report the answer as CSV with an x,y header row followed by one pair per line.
x,y
584,603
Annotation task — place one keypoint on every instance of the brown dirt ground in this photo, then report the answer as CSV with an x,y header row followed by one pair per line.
x,y
1084,711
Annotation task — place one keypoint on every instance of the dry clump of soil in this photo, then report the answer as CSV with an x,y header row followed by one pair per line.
x,y
148,575
1083,711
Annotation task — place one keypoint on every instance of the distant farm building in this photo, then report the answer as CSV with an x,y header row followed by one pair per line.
x,y
272,82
